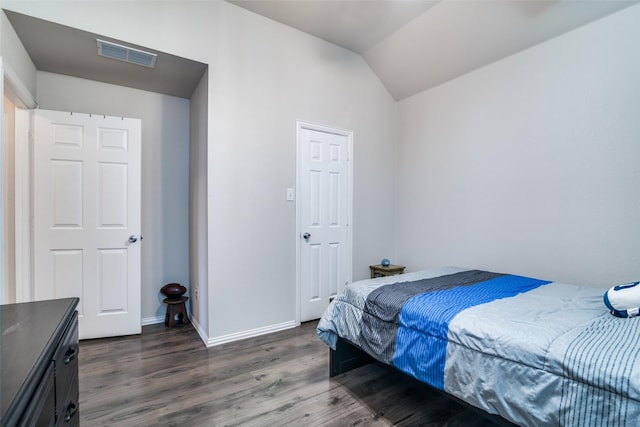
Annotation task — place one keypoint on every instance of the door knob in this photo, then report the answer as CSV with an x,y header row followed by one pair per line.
x,y
306,236
133,239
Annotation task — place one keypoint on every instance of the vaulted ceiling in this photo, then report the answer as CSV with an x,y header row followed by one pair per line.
x,y
412,45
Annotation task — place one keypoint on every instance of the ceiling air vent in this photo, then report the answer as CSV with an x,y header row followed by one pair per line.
x,y
126,54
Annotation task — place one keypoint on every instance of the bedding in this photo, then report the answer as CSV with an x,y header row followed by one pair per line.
x,y
534,352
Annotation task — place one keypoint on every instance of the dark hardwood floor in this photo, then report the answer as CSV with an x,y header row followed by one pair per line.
x,y
168,377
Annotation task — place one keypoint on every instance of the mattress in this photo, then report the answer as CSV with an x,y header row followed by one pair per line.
x,y
534,352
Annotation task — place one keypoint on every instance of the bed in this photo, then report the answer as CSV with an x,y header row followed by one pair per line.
x,y
534,352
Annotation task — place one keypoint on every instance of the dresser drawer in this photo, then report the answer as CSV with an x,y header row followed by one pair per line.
x,y
66,365
68,413
40,411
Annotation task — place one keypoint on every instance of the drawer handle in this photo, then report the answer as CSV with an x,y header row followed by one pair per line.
x,y
70,355
72,408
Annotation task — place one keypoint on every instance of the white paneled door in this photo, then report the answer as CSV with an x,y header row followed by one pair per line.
x,y
324,216
86,197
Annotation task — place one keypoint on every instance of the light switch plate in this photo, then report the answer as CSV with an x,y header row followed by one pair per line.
x,y
291,194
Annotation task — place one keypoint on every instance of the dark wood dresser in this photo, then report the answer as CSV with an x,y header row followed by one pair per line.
x,y
39,363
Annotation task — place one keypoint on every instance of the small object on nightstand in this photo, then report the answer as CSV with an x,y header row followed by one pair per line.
x,y
385,262
380,270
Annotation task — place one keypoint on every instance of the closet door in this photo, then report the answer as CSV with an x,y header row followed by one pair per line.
x,y
324,212
87,241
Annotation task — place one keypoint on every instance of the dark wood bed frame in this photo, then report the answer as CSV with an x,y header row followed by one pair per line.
x,y
345,357
348,356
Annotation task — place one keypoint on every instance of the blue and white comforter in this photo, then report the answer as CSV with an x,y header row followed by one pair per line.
x,y
534,352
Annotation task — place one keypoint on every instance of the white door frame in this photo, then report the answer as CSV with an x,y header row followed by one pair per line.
x,y
23,211
300,125
3,291
17,91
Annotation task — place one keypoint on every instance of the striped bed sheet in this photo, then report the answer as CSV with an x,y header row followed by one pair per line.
x,y
534,352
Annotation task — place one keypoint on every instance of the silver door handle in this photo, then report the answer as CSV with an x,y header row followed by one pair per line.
x,y
133,239
306,236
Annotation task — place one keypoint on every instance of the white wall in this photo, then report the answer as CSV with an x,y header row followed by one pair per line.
x,y
530,165
198,236
267,76
165,171
263,77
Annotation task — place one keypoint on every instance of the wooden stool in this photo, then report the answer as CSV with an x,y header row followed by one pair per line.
x,y
176,307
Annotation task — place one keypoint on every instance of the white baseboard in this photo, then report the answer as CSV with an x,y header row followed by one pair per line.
x,y
158,319
152,320
211,342
199,330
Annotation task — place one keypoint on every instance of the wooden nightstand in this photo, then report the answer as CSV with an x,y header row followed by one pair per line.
x,y
380,270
